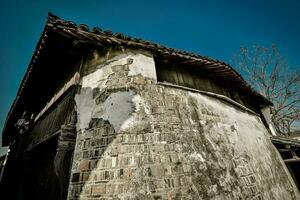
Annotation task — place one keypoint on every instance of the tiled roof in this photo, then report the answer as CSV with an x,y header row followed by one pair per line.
x,y
82,34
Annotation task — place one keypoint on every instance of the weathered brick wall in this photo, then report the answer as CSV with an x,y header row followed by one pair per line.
x,y
139,140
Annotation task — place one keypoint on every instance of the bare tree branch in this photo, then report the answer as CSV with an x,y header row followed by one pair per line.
x,y
268,72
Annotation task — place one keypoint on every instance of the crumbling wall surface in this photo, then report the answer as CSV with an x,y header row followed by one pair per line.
x,y
139,140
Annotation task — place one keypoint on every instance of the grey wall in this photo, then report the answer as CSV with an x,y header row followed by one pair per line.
x,y
139,140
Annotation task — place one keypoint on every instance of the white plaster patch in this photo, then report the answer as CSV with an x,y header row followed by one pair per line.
x,y
197,156
267,115
244,132
97,78
202,122
117,108
219,108
138,104
84,105
241,127
143,65
114,161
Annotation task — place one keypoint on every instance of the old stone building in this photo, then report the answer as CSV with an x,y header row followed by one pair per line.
x,y
105,116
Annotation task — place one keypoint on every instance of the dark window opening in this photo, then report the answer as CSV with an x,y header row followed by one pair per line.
x,y
30,172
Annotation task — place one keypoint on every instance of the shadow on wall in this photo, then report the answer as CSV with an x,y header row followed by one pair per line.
x,y
102,115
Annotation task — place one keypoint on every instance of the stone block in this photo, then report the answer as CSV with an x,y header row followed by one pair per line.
x,y
98,190
84,165
86,154
87,190
85,177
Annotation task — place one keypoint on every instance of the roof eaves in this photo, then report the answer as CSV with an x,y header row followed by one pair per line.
x,y
98,36
28,72
101,37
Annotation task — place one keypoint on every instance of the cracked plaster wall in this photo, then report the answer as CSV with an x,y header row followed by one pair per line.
x,y
139,140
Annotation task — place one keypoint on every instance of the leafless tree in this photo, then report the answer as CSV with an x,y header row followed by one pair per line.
x,y
268,72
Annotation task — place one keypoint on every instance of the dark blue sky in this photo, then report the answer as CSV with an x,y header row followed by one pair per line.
x,y
212,28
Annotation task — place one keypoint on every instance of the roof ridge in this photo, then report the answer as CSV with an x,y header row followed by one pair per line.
x,y
82,33
55,20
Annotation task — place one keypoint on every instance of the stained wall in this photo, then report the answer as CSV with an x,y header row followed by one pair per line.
x,y
140,140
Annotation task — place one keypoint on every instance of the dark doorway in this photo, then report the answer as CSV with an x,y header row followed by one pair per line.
x,y
31,176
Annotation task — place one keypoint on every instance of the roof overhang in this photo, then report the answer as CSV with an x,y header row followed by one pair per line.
x,y
62,40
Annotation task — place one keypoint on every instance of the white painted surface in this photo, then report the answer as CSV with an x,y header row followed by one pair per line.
x,y
118,108
143,65
97,78
266,111
197,156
